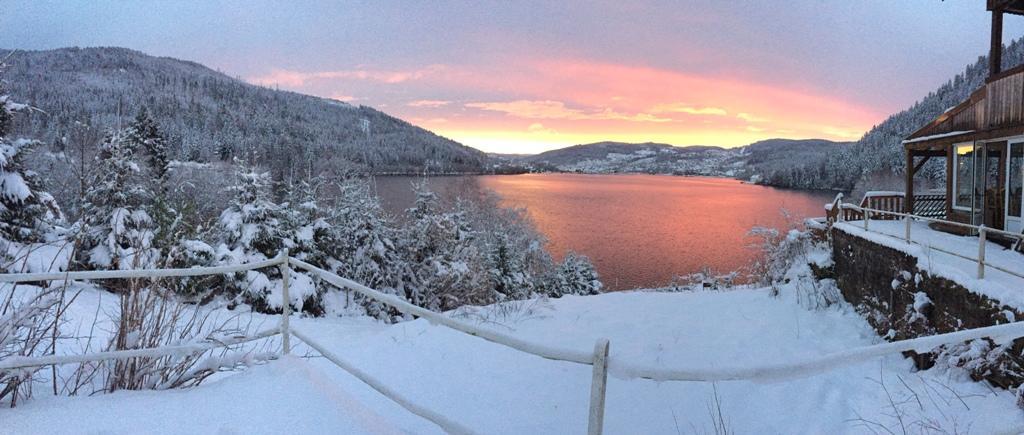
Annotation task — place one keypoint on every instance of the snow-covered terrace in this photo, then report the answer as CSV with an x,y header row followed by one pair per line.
x,y
926,245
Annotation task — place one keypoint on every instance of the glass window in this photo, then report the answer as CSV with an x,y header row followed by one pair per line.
x,y
1015,187
963,179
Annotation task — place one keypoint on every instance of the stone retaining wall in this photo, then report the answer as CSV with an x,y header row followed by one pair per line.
x,y
902,301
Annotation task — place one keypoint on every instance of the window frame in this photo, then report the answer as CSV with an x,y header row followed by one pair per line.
x,y
955,193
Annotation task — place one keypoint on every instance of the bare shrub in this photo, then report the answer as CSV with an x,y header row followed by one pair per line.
x,y
151,317
505,313
26,326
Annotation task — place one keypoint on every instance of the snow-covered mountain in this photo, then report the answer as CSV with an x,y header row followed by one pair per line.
x,y
209,115
768,160
611,157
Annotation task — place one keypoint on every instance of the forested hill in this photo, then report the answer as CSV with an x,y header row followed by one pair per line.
x,y
211,116
872,161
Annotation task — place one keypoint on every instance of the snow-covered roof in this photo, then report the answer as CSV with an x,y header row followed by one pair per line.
x,y
937,136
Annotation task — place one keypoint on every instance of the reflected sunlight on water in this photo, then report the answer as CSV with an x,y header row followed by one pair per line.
x,y
642,230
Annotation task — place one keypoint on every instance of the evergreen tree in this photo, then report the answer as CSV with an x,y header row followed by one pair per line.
x,y
371,254
507,271
118,231
250,229
575,276
225,151
447,270
26,211
145,133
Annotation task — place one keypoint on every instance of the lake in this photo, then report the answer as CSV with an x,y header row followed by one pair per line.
x,y
639,230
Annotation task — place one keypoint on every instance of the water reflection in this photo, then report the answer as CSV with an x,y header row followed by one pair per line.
x,y
639,230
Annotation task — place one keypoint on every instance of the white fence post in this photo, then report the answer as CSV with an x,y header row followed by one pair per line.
x,y
839,216
286,303
981,251
598,384
906,229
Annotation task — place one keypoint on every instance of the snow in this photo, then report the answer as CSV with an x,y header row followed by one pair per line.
x,y
997,285
876,193
495,389
290,395
937,136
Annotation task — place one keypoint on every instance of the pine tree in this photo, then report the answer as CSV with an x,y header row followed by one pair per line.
x,y
370,253
447,268
144,133
118,231
27,213
575,276
250,229
507,271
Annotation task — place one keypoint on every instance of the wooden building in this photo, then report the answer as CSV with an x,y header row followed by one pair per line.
x,y
982,140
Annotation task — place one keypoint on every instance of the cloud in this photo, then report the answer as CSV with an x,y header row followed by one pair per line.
x,y
539,128
751,128
428,103
750,118
424,121
548,109
684,108
299,78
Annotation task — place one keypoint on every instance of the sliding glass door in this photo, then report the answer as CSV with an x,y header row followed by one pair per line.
x,y
1014,186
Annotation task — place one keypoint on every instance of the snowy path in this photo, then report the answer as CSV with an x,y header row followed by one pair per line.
x,y
998,285
493,389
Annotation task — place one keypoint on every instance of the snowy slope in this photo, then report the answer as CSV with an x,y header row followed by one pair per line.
x,y
493,389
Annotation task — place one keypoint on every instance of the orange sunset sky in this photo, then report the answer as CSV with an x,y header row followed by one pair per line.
x,y
528,76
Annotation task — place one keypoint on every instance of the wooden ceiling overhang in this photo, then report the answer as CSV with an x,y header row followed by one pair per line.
x,y
1015,7
995,110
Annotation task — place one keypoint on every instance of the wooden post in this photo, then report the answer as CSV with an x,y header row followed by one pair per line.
x,y
864,215
286,305
840,217
908,192
598,384
906,230
981,252
995,52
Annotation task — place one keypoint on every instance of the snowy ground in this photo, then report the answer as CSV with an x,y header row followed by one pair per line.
x,y
997,285
493,389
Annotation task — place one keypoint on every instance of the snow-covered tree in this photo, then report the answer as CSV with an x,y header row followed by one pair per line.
x,y
145,133
118,231
575,276
26,211
447,268
507,271
371,254
250,229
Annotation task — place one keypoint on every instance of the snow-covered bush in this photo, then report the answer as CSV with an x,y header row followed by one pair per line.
x,y
789,261
574,276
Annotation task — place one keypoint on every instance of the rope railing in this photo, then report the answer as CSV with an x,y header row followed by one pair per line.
x,y
602,364
982,230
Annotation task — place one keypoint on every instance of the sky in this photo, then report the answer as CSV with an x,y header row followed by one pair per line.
x,y
527,76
